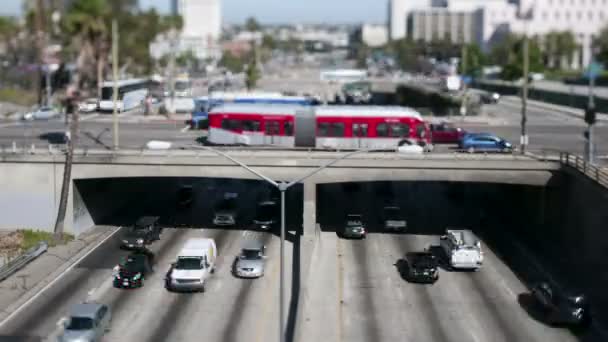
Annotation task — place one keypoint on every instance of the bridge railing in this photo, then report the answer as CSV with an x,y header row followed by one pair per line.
x,y
598,174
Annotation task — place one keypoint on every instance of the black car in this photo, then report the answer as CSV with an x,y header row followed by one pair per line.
x,y
560,308
185,195
266,214
420,267
354,227
142,233
132,271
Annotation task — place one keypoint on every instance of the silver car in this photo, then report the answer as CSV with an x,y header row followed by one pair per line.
x,y
250,263
87,322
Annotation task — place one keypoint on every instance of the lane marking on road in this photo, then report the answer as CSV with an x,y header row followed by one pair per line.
x,y
185,129
340,275
12,124
88,117
268,295
52,282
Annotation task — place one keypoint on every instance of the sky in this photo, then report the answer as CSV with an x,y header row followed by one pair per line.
x,y
276,11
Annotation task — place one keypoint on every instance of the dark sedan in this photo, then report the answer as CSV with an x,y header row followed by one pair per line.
x,y
560,308
420,267
130,273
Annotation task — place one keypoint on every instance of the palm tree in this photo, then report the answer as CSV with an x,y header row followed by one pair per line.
x,y
86,22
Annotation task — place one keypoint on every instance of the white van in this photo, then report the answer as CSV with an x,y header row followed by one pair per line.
x,y
195,263
462,248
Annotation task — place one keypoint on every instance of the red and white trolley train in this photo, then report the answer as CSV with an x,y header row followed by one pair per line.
x,y
347,127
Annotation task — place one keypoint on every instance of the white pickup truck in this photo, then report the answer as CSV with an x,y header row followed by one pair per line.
x,y
462,248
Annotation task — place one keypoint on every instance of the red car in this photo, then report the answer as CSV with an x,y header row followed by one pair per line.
x,y
446,133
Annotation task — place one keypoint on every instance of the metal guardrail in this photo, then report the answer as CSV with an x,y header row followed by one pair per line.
x,y
598,174
16,264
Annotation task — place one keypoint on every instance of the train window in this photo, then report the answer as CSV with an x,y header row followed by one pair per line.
x,y
288,128
272,128
323,129
337,129
251,125
398,130
359,130
231,124
421,130
382,130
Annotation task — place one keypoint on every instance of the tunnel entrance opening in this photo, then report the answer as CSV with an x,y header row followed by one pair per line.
x,y
542,233
180,202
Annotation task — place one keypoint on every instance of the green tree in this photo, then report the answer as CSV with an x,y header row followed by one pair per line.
x,y
8,31
231,62
268,42
513,68
252,24
85,22
558,48
601,43
475,60
252,74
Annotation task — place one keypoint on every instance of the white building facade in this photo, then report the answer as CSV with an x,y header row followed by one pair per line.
x,y
374,35
492,19
201,31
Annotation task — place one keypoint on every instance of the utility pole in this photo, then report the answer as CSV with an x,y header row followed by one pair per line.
x,y
115,76
39,22
524,96
590,115
173,44
463,71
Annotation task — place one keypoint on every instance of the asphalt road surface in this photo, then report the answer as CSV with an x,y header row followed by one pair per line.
x,y
548,130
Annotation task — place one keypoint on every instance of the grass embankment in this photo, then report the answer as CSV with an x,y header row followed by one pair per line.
x,y
18,96
32,237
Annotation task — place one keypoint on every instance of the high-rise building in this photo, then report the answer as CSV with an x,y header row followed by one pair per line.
x,y
487,21
200,33
202,18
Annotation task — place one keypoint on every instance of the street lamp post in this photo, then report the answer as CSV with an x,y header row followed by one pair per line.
x,y
282,187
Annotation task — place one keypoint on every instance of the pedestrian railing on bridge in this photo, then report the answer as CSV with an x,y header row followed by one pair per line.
x,y
593,171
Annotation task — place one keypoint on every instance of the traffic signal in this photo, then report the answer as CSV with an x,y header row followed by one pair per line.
x,y
590,115
586,134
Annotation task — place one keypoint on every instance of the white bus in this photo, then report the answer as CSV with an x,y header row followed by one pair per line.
x,y
131,94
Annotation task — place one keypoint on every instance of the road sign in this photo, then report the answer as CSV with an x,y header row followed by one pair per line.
x,y
594,70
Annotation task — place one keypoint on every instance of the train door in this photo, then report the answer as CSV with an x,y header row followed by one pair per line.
x,y
272,132
360,134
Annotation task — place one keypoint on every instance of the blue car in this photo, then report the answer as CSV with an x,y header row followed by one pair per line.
x,y
484,142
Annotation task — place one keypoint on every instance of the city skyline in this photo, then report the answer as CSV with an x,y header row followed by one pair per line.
x,y
274,11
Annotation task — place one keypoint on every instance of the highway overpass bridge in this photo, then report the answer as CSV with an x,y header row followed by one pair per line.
x,y
103,182
556,208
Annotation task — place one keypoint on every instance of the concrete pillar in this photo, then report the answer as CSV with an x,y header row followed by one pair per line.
x,y
428,27
310,208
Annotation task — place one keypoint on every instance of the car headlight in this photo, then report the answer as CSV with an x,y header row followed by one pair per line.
x,y
137,276
125,241
508,145
140,241
578,312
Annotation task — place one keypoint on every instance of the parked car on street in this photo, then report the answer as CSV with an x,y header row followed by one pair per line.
x,y
561,308
420,267
266,215
250,263
446,133
86,322
131,272
484,142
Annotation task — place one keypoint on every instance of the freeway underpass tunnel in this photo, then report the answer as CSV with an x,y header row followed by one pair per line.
x,y
121,201
551,233
430,207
